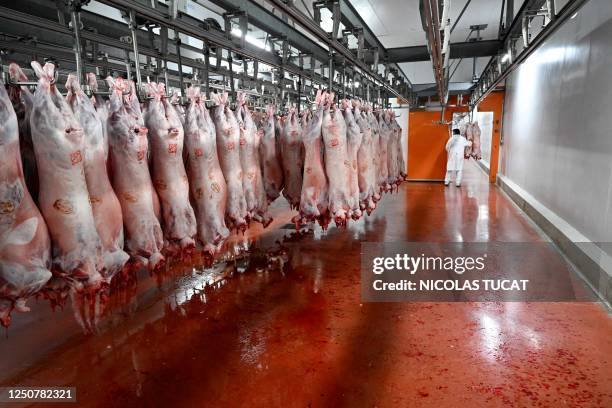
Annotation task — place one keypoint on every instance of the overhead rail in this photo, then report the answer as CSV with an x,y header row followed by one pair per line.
x,y
467,49
534,23
142,47
436,22
337,48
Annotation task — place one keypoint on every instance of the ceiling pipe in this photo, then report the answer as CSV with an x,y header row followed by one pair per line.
x,y
438,47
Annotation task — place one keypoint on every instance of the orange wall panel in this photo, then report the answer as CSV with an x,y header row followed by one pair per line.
x,y
426,142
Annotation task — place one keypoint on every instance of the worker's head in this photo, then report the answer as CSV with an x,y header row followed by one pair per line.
x,y
456,132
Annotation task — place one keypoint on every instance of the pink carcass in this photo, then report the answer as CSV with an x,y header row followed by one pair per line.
x,y
130,175
22,103
169,175
25,247
228,139
292,154
365,162
175,100
393,176
64,197
383,151
252,179
354,137
375,150
101,107
469,134
206,181
476,150
104,202
337,162
270,156
401,160
314,194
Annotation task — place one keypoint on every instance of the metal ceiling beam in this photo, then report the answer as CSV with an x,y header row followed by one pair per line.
x,y
470,49
194,28
264,20
41,35
311,26
351,19
500,66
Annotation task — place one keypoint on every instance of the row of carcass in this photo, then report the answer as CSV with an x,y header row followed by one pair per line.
x,y
119,179
471,131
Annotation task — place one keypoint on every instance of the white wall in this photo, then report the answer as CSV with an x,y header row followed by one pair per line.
x,y
485,122
557,123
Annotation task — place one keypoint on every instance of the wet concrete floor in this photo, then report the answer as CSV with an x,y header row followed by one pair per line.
x,y
302,337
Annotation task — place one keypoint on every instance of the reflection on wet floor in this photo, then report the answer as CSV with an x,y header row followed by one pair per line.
x,y
295,333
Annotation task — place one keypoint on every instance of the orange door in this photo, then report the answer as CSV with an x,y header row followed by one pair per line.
x,y
426,142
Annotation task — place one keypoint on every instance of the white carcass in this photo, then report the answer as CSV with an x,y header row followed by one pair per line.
x,y
169,176
206,181
337,163
131,180
104,202
228,139
64,198
25,246
292,154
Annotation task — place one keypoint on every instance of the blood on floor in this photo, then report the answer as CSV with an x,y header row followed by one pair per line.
x,y
298,336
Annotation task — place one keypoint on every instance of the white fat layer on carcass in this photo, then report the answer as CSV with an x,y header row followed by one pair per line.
x,y
20,276
22,234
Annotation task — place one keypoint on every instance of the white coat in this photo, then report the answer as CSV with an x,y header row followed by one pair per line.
x,y
455,148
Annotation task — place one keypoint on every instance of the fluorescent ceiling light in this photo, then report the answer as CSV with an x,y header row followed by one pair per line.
x,y
250,39
506,57
574,16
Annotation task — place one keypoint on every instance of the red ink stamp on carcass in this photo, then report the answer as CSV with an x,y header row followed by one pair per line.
x,y
335,142
230,145
129,197
63,206
198,152
242,141
76,157
6,207
172,148
215,187
140,155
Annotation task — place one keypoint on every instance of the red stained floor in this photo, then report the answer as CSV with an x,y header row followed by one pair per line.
x,y
302,337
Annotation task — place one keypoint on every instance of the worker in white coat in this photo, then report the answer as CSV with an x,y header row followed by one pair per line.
x,y
455,148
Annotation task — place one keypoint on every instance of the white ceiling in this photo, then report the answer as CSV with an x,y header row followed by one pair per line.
x,y
421,72
398,22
